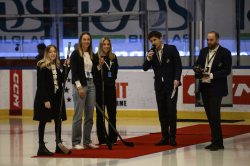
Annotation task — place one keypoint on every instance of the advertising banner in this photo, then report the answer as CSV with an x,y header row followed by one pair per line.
x,y
16,94
134,91
241,89
20,36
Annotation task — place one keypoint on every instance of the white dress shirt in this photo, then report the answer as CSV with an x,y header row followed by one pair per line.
x,y
211,53
159,55
87,67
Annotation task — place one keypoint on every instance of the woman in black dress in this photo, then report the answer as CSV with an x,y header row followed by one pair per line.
x,y
48,95
106,59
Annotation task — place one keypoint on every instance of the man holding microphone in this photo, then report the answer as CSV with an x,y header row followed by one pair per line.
x,y
167,66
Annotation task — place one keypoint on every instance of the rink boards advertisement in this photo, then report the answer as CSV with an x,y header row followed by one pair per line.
x,y
134,90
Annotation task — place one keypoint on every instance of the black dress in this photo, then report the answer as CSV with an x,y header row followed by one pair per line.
x,y
45,92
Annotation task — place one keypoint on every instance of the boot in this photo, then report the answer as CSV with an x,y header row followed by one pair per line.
x,y
58,150
64,150
43,151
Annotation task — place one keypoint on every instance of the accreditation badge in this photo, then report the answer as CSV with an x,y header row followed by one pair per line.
x,y
109,74
88,74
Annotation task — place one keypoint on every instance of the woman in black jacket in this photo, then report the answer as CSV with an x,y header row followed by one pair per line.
x,y
48,95
106,59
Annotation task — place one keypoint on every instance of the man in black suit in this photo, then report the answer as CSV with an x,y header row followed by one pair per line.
x,y
216,62
166,63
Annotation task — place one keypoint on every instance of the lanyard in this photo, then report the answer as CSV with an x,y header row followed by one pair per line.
x,y
209,60
108,65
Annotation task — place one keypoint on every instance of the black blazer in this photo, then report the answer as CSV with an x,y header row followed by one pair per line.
x,y
77,68
108,81
170,68
221,68
45,92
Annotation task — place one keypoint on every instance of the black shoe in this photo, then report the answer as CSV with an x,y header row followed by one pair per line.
x,y
214,147
43,151
163,141
173,142
208,147
58,150
63,149
219,146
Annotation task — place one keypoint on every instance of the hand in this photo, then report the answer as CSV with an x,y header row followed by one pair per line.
x,y
200,69
150,54
67,61
176,83
81,93
101,61
206,77
47,104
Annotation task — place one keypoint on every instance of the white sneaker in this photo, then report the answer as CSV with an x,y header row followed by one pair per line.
x,y
78,147
91,146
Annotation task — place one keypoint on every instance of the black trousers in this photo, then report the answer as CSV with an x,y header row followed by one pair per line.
x,y
110,102
212,105
167,110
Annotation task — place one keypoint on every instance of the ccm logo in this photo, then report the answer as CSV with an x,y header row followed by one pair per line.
x,y
16,90
238,92
241,90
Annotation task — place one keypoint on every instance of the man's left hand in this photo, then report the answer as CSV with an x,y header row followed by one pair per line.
x,y
206,77
176,83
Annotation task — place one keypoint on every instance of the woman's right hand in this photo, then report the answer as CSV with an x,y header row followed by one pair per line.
x,y
101,61
81,93
47,104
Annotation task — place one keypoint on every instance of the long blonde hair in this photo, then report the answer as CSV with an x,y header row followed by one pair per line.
x,y
100,52
90,48
45,62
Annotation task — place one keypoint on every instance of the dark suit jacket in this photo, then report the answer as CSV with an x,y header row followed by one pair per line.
x,y
77,68
45,92
221,68
170,68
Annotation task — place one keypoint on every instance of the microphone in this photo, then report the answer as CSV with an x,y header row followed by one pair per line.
x,y
153,48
